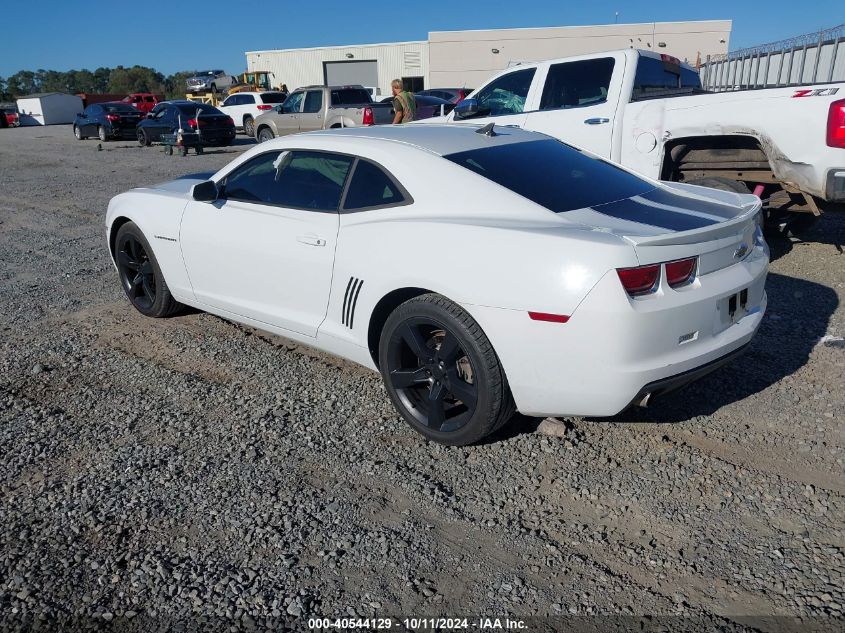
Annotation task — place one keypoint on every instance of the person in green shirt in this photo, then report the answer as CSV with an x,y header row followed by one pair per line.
x,y
404,104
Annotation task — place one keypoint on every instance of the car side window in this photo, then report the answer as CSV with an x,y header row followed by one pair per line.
x,y
371,187
230,101
293,179
149,99
507,94
292,103
313,101
89,111
248,99
575,84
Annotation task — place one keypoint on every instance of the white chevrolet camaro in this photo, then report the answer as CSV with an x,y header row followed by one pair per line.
x,y
480,271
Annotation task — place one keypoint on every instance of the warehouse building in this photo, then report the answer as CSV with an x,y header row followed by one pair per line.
x,y
453,59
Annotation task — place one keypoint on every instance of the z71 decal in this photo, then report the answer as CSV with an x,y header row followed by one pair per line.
x,y
818,92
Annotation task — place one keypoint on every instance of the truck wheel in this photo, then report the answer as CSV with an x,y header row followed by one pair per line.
x,y
249,126
717,182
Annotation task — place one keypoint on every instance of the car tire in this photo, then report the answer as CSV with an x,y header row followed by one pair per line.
x,y
78,133
101,133
143,138
249,126
441,372
265,134
140,274
724,184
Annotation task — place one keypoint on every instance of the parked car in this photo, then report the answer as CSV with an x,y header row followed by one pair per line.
x,y
427,107
110,120
167,117
144,101
210,81
647,111
9,117
319,108
452,95
245,107
576,294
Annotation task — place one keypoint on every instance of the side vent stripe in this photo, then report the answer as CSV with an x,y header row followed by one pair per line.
x,y
350,300
346,300
355,303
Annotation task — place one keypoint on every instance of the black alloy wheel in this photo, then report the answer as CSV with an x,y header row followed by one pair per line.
x,y
441,372
432,375
140,274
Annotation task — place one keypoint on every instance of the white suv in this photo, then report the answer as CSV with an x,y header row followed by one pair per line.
x,y
244,107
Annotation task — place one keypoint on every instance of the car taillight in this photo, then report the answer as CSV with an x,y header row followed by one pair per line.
x,y
230,120
113,117
192,123
368,117
265,107
679,273
836,124
640,280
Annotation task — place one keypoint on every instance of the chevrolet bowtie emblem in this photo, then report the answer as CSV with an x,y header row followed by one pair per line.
x,y
741,250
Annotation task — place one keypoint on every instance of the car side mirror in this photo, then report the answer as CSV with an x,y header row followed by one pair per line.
x,y
205,191
467,109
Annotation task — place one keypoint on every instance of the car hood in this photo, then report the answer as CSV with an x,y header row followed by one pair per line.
x,y
182,185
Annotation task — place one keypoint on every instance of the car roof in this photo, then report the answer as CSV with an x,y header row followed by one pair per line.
x,y
435,138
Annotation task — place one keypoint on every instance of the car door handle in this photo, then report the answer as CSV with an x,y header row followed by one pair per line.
x,y
311,240
597,121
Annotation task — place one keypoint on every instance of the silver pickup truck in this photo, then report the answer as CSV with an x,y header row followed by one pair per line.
x,y
320,108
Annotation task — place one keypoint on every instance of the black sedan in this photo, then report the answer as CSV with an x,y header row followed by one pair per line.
x,y
107,121
214,127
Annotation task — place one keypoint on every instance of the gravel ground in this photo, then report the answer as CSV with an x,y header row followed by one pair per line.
x,y
190,472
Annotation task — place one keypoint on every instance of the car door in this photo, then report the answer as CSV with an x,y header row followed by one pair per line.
x,y
232,107
311,117
265,249
90,120
287,121
579,101
164,122
504,100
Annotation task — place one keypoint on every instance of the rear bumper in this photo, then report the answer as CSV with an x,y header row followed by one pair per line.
x,y
614,348
672,383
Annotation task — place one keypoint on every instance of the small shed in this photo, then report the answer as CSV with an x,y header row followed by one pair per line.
x,y
49,108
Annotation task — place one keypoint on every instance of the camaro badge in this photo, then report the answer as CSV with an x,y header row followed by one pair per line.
x,y
741,250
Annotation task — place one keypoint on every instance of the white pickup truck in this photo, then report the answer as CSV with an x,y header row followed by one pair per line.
x,y
648,112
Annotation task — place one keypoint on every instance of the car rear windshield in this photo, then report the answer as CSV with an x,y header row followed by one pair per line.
x,y
274,97
350,96
119,107
552,174
191,110
657,77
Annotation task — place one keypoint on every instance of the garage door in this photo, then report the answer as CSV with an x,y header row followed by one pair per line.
x,y
364,73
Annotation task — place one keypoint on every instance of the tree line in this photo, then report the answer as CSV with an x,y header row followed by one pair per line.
x,y
119,80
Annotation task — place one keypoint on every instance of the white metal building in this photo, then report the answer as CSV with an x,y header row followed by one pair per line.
x,y
48,108
451,59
